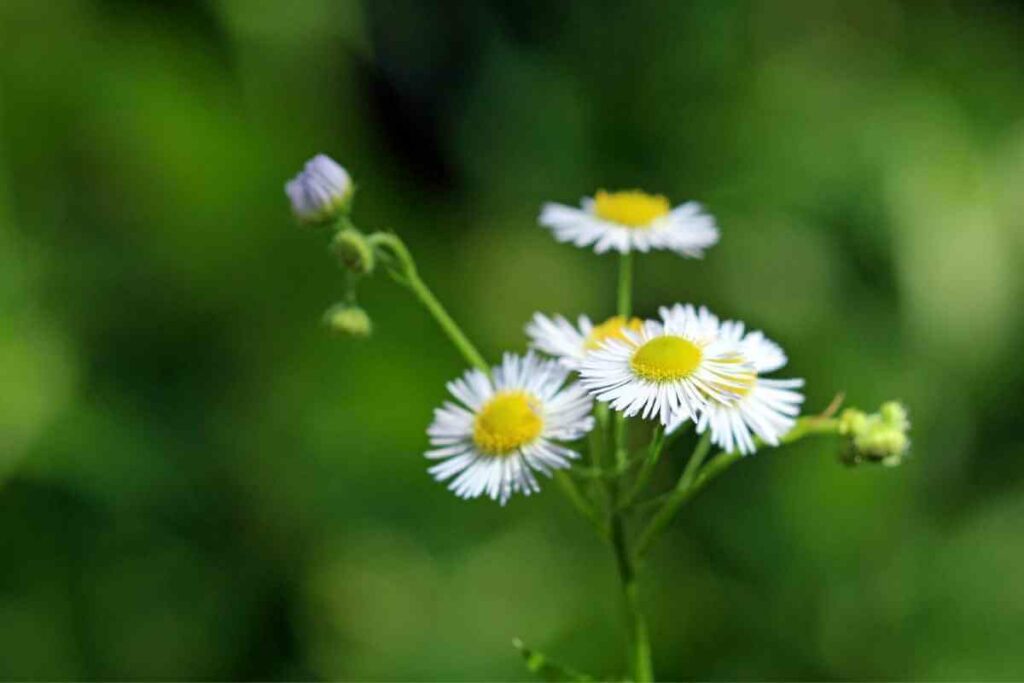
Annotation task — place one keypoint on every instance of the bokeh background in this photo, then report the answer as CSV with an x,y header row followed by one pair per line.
x,y
197,481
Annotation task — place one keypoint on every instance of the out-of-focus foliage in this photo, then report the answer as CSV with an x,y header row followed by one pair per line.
x,y
199,481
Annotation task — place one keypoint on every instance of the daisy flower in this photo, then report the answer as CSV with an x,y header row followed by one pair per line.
x,y
667,369
766,408
569,343
632,221
506,427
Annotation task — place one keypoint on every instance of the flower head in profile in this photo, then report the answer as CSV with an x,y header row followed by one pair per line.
x,y
569,343
667,370
766,408
320,191
507,427
632,221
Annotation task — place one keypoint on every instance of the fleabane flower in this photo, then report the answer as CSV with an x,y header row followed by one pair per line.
x,y
320,191
632,221
667,369
569,343
507,427
764,407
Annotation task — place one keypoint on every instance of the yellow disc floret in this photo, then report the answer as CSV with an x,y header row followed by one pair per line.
x,y
632,208
665,359
509,420
612,328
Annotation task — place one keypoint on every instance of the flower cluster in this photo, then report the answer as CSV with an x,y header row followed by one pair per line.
x,y
520,418
683,366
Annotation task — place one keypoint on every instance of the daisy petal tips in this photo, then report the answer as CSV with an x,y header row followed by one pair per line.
x,y
632,221
668,370
505,428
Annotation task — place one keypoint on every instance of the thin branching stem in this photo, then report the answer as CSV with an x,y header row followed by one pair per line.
x,y
403,270
695,478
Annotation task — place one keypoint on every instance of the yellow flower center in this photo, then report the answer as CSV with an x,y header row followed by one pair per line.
x,y
509,420
612,328
632,208
665,359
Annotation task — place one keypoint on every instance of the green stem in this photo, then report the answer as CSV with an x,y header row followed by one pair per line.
x,y
624,309
625,293
588,473
805,426
640,643
808,426
697,480
455,334
640,654
579,501
599,436
658,440
680,494
403,270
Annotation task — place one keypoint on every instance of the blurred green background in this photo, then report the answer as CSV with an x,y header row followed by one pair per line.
x,y
198,481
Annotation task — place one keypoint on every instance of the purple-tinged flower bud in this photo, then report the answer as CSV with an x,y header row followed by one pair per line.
x,y
321,191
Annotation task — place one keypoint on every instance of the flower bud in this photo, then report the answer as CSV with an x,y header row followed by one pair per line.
x,y
880,437
321,191
852,421
348,320
354,252
895,414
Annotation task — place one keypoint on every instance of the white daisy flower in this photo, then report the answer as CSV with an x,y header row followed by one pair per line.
x,y
766,408
568,343
667,369
508,427
320,190
632,221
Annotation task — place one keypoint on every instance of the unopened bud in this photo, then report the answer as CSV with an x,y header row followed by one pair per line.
x,y
354,252
895,414
852,421
321,191
349,321
881,437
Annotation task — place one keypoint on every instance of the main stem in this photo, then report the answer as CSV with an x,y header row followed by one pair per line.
x,y
640,642
643,671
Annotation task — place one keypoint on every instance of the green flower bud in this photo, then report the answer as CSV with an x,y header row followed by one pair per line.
x,y
349,321
852,421
895,414
354,251
880,437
